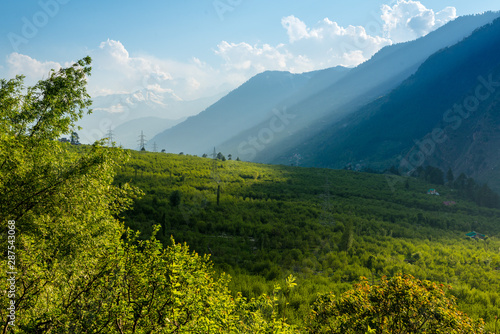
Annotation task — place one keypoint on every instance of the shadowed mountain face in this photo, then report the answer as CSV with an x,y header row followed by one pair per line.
x,y
470,141
310,114
445,115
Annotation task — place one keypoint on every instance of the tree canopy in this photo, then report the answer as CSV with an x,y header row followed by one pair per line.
x,y
401,304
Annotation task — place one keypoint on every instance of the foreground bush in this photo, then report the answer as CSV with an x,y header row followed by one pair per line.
x,y
402,304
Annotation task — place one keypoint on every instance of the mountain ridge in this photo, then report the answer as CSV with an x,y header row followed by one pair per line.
x,y
422,109
374,78
248,104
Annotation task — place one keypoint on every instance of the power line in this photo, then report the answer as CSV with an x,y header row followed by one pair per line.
x,y
215,171
109,135
142,142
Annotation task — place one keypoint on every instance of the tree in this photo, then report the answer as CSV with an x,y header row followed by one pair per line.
x,y
347,238
62,202
175,198
449,176
163,291
75,138
487,197
434,175
470,187
460,182
402,304
220,156
29,125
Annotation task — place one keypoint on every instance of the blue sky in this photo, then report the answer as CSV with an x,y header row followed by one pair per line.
x,y
196,48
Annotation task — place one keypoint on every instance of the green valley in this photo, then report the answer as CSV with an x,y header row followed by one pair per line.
x,y
97,239
326,227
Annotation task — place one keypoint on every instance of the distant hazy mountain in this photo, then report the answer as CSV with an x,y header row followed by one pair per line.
x,y
248,105
447,115
127,134
111,111
370,80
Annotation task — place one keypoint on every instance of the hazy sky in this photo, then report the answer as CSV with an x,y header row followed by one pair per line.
x,y
196,48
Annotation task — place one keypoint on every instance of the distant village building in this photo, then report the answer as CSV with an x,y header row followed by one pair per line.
x,y
432,192
475,235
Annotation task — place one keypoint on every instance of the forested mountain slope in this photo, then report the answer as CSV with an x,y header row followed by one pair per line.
x,y
446,114
376,77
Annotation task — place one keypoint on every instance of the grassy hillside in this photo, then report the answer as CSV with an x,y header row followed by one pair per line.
x,y
327,227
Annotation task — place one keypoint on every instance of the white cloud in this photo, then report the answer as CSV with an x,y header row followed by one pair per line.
x,y
33,69
296,29
309,48
408,20
329,44
247,58
116,52
117,108
321,45
115,70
